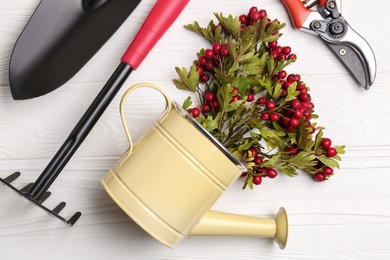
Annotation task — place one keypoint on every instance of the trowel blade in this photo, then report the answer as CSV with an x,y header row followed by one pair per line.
x,y
60,38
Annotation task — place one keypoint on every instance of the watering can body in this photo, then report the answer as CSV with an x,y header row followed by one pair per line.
x,y
170,178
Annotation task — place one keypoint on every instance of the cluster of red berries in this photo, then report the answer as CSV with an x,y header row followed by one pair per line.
x,y
300,108
208,61
320,176
281,53
260,172
290,115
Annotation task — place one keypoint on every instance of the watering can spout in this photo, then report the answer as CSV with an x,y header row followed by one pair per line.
x,y
216,223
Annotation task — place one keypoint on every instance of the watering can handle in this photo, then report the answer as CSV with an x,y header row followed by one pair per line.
x,y
123,100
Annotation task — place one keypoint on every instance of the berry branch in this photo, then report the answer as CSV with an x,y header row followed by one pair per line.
x,y
248,101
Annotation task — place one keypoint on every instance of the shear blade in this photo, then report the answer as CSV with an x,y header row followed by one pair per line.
x,y
355,63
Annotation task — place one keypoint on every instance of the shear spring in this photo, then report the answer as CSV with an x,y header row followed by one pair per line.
x,y
309,3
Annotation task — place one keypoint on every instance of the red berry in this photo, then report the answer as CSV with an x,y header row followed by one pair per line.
x,y
274,117
252,9
272,173
286,50
297,77
214,104
202,60
225,51
274,54
304,97
204,78
206,108
199,69
295,104
243,19
250,97
328,171
235,98
262,14
209,65
291,129
291,78
307,114
311,129
294,122
286,121
257,180
298,113
234,91
261,101
300,86
258,160
326,143
244,174
209,54
264,116
195,112
278,49
273,44
281,56
254,152
217,47
282,74
319,176
331,152
292,57
286,84
209,96
271,105
255,16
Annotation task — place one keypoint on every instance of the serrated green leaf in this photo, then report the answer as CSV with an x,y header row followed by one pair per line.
x,y
277,91
272,161
187,103
289,171
318,139
340,149
180,85
328,161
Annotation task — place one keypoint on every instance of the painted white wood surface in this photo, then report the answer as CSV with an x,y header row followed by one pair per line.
x,y
345,218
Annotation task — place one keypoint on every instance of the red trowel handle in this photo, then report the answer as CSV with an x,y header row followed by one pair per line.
x,y
162,16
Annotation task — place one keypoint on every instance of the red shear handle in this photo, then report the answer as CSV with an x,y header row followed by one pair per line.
x,y
162,16
322,3
298,12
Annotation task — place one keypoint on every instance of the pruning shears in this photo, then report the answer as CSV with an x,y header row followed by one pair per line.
x,y
328,23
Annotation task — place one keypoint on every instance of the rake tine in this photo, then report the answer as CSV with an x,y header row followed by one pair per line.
x,y
74,218
45,197
59,207
26,188
12,177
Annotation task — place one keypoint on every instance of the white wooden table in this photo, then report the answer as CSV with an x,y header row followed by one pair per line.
x,y
345,218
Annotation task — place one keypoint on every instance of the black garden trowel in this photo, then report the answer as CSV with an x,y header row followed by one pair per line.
x,y
60,38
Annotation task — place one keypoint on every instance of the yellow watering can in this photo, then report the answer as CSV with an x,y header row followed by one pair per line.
x,y
167,183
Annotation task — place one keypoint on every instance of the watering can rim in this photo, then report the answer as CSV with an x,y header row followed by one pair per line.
x,y
209,136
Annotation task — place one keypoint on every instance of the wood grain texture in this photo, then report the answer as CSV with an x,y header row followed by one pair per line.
x,y
345,218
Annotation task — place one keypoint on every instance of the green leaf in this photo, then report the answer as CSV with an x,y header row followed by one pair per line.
x,y
318,139
289,171
328,161
272,161
188,80
340,149
187,103
277,91
210,124
303,159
